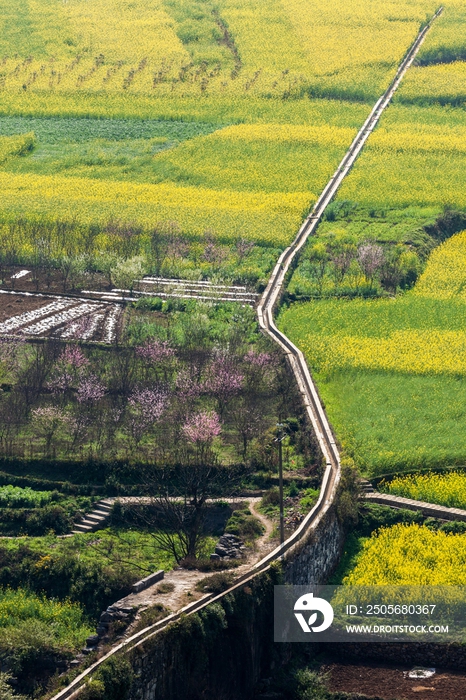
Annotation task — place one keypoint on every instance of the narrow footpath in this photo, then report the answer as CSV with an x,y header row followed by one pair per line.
x,y
305,383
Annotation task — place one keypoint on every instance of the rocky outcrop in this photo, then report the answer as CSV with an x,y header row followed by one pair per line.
x,y
229,547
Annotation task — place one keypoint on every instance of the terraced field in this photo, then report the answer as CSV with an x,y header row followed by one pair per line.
x,y
177,150
208,120
390,370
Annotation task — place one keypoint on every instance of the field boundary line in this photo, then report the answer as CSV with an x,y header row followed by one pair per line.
x,y
433,510
272,293
307,388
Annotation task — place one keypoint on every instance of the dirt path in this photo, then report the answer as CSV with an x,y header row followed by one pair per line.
x,y
264,544
184,580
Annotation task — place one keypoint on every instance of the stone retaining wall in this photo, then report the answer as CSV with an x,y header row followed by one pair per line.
x,y
315,559
222,651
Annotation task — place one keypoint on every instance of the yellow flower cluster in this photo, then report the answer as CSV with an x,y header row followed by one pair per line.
x,y
20,605
428,138
268,218
415,351
447,489
445,274
15,145
410,555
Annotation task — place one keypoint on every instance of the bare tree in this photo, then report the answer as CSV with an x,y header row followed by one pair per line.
x,y
370,259
179,499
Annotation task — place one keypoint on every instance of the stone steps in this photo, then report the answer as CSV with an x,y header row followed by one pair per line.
x,y
96,519
366,486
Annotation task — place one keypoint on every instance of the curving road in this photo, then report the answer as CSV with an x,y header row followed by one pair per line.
x,y
274,289
300,370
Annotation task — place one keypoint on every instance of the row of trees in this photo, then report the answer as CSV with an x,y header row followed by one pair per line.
x,y
121,252
338,265
152,402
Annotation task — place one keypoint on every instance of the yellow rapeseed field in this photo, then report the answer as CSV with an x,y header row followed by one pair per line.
x,y
415,158
167,47
440,77
447,489
415,351
340,36
410,555
393,335
445,274
266,218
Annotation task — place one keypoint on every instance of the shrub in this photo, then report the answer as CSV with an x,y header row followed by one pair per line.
x,y
165,587
150,617
217,583
309,499
373,516
149,304
455,527
117,676
310,685
63,575
36,522
17,497
244,525
271,498
94,690
6,691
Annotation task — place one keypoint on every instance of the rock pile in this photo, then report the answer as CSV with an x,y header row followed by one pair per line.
x,y
229,547
114,613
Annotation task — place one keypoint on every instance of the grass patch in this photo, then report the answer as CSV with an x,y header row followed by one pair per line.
x,y
244,525
397,422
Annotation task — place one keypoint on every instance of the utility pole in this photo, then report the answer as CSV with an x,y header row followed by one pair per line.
x,y
279,438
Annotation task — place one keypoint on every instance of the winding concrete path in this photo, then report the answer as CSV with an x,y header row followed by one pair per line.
x,y
300,370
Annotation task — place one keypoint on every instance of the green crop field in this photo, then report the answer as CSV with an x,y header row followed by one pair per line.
x,y
390,368
209,115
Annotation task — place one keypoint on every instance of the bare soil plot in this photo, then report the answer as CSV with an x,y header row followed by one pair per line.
x,y
40,316
391,683
13,305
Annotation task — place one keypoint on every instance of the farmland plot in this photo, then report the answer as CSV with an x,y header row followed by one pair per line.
x,y
391,371
63,318
212,66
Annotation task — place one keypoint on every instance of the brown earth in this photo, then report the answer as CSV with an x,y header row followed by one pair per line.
x,y
391,683
50,282
13,305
